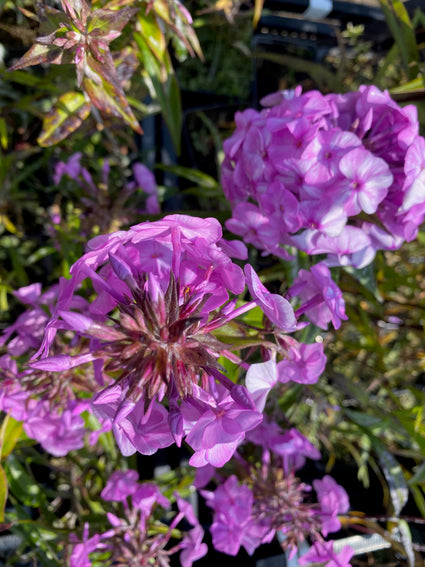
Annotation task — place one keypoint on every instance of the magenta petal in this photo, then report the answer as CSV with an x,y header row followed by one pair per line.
x,y
275,307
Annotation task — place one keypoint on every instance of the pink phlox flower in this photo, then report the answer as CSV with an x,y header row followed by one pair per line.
x,y
282,207
333,500
58,433
253,226
294,448
285,94
218,430
203,476
327,216
323,552
120,485
243,122
341,156
304,364
81,551
234,248
232,506
14,400
71,168
260,379
29,326
324,153
148,495
369,178
414,169
145,180
134,429
322,300
192,547
276,307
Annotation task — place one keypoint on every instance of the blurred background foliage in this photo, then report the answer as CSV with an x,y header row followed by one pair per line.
x,y
368,409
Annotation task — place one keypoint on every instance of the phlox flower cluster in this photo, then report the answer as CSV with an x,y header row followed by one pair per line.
x,y
338,175
49,405
161,292
136,535
266,498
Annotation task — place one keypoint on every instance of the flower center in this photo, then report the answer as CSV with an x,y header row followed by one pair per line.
x,y
164,351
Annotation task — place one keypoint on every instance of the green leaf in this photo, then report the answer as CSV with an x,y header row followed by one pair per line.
x,y
201,179
403,33
419,476
21,484
152,35
415,86
3,133
37,54
67,114
106,94
406,539
324,78
105,21
3,493
10,433
394,476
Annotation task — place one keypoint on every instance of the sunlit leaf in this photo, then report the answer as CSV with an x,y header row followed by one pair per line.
x,y
394,476
10,431
110,99
402,30
67,114
37,54
21,484
3,493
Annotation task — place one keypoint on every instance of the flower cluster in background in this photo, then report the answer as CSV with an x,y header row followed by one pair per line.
x,y
338,175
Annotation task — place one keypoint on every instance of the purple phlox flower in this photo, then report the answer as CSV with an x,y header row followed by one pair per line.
x,y
260,379
414,169
133,536
120,485
333,500
294,448
145,180
160,289
14,400
192,547
232,506
324,153
134,429
283,208
234,248
147,496
276,307
218,430
203,476
243,121
253,226
28,327
322,300
369,178
254,151
323,552
80,555
72,168
276,98
325,215
58,433
304,363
